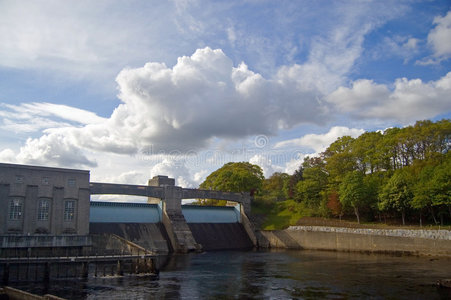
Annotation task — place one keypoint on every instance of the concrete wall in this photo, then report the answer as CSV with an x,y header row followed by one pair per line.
x,y
150,236
16,294
221,236
28,186
366,240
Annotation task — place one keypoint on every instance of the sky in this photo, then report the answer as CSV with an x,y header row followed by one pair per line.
x,y
134,89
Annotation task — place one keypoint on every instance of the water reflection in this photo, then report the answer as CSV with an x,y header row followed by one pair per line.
x,y
269,275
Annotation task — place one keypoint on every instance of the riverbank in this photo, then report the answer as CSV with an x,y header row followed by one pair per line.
x,y
396,241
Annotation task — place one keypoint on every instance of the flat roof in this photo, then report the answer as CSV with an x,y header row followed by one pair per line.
x,y
41,168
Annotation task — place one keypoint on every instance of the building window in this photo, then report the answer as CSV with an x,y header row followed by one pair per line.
x,y
15,209
71,182
19,179
43,209
45,180
69,210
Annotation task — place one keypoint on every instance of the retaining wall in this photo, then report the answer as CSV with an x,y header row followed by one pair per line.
x,y
150,236
416,242
217,236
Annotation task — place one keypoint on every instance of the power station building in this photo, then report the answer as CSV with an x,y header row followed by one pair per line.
x,y
41,200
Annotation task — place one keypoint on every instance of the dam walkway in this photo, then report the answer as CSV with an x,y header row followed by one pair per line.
x,y
164,206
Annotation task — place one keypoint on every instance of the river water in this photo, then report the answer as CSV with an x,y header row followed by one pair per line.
x,y
269,275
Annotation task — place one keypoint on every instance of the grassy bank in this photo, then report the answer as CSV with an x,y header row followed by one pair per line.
x,y
280,215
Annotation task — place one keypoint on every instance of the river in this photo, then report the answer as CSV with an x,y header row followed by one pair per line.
x,y
269,275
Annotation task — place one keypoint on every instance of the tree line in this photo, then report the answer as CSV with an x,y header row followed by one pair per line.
x,y
400,173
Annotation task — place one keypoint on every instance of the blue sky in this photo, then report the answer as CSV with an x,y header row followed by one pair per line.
x,y
132,89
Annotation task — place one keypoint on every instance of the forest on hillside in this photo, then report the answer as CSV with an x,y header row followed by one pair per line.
x,y
399,174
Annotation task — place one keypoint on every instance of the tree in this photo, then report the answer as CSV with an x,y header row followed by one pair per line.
x,y
352,192
374,183
433,186
334,205
273,187
234,177
369,154
397,193
289,186
391,146
312,187
339,159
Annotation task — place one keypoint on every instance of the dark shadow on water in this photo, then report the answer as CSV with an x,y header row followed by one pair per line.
x,y
267,275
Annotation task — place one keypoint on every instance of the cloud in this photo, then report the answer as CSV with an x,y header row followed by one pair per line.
x,y
405,47
319,142
49,150
290,154
180,109
410,100
440,37
411,43
84,39
33,117
266,164
439,40
294,164
174,169
200,176
7,155
204,96
128,177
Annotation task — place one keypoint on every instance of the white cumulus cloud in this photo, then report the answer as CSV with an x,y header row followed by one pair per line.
x,y
408,101
440,37
52,150
176,169
319,142
266,164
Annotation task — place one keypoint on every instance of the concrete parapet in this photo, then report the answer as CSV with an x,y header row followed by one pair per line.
x,y
126,189
249,227
413,242
16,294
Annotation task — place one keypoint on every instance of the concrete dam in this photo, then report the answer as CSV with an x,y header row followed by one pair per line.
x,y
164,225
213,228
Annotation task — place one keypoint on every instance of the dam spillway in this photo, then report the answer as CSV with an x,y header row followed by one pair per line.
x,y
214,228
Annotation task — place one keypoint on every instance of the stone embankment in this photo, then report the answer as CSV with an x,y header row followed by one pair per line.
x,y
401,241
425,234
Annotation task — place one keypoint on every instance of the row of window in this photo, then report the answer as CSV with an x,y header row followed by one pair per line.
x,y
16,209
46,180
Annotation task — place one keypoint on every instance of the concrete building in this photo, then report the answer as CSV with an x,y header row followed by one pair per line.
x,y
43,201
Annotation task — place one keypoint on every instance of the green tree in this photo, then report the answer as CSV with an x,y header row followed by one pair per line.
x,y
289,186
273,187
392,148
311,189
369,153
339,159
433,187
353,192
234,177
397,194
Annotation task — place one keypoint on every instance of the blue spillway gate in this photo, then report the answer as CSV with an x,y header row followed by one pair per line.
x,y
125,212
